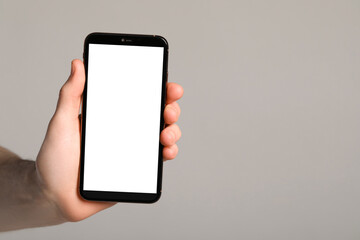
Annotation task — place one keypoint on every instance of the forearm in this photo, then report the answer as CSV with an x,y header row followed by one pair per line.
x,y
23,204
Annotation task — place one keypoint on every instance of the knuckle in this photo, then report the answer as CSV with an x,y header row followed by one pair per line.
x,y
177,107
177,131
63,90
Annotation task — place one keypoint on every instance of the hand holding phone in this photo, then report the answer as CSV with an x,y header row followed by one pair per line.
x,y
57,164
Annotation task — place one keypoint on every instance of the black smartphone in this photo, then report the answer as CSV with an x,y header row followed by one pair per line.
x,y
122,117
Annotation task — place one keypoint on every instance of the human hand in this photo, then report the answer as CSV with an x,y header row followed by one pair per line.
x,y
58,160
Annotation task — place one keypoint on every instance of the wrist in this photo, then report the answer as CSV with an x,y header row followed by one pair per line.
x,y
24,204
46,197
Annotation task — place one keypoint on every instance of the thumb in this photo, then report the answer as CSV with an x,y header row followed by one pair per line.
x,y
71,92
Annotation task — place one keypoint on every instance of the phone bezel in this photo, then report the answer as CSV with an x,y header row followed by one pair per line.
x,y
132,40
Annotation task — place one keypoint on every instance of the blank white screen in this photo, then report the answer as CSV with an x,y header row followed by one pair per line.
x,y
123,118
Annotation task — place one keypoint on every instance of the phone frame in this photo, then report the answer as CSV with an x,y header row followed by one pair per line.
x,y
132,40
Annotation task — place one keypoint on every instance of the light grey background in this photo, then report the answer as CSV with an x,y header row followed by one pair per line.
x,y
270,115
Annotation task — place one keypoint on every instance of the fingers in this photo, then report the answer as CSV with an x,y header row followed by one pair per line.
x,y
71,91
170,152
173,92
172,113
170,135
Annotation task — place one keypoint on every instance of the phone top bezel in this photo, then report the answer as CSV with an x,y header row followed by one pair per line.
x,y
130,40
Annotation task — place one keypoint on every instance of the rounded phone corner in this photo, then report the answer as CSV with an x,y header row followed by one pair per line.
x,y
155,199
83,195
163,40
90,35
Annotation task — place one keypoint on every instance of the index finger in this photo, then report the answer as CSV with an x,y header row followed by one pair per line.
x,y
174,92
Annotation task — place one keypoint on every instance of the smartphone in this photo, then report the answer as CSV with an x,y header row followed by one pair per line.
x,y
122,117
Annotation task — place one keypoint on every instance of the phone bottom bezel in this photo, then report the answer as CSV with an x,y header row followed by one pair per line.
x,y
120,196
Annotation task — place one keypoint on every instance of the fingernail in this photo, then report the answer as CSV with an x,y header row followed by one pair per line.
x,y
72,68
173,137
170,108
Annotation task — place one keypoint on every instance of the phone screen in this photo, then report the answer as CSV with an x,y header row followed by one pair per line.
x,y
124,85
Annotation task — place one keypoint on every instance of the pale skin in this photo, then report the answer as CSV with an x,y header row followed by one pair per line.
x,y
45,192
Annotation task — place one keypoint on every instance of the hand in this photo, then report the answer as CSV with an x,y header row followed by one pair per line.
x,y
58,160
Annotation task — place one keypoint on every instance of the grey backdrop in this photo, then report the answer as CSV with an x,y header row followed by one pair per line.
x,y
270,115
